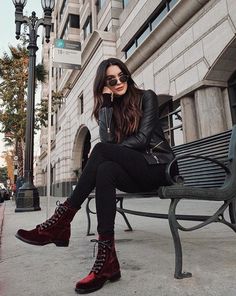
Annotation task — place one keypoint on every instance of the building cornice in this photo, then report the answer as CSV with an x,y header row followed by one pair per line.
x,y
94,41
199,85
175,19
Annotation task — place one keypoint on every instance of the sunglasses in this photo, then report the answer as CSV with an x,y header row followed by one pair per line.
x,y
114,81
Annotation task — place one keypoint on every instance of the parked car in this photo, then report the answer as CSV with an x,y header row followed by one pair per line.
x,y
4,193
1,199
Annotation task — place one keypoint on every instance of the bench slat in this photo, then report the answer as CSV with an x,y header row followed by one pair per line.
x,y
201,173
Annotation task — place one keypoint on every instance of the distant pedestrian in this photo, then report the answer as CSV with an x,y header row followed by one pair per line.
x,y
131,157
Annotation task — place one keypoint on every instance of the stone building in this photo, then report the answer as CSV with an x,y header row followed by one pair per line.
x,y
184,50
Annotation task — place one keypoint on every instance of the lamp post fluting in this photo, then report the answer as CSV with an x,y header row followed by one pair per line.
x,y
27,196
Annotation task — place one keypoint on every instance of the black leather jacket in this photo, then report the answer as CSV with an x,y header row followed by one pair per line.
x,y
149,138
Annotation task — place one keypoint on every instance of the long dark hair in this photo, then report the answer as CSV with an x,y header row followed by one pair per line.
x,y
127,111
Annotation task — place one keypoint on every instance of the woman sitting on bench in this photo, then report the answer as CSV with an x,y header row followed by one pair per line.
x,y
131,157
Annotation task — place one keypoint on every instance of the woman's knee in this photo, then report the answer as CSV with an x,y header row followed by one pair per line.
x,y
106,171
99,147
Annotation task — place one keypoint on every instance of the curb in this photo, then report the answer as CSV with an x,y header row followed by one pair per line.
x,y
2,208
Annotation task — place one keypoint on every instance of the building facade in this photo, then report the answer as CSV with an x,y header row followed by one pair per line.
x,y
183,50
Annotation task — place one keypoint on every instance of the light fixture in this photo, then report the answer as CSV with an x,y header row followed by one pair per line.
x,y
48,4
19,2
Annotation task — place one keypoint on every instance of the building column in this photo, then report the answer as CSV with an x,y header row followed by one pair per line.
x,y
189,119
228,114
210,111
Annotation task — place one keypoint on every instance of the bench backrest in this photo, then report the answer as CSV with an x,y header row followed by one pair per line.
x,y
201,173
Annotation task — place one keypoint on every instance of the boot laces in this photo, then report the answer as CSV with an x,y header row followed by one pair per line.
x,y
103,247
59,211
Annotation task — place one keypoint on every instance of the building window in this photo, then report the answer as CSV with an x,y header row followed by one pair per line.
x,y
142,36
171,3
131,49
125,3
81,104
171,121
100,4
52,27
74,21
62,10
56,122
232,96
149,26
159,17
87,27
60,71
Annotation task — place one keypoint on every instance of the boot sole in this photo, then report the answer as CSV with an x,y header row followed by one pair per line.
x,y
114,278
57,243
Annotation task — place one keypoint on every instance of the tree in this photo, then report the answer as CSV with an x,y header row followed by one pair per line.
x,y
8,158
42,107
13,88
3,175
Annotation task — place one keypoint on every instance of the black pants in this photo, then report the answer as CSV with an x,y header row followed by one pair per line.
x,y
111,166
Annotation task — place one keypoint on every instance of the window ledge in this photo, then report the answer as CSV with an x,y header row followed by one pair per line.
x,y
175,19
93,42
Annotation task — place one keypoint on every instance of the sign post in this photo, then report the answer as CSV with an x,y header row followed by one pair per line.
x,y
63,54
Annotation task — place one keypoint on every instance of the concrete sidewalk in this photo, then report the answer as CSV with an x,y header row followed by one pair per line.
x,y
146,256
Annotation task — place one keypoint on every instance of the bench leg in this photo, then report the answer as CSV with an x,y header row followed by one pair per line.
x,y
120,201
177,243
88,212
232,212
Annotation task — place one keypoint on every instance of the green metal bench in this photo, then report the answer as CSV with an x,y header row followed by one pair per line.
x,y
207,172
225,193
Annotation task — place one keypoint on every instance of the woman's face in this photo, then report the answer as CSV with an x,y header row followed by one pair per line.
x,y
116,80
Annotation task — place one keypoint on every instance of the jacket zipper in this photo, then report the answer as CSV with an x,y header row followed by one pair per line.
x,y
108,125
155,157
157,145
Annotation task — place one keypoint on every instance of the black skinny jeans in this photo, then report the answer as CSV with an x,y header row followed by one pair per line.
x,y
112,166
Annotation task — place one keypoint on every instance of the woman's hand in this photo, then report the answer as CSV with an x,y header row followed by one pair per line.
x,y
106,90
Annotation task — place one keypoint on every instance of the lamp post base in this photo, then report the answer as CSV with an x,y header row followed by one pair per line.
x,y
27,200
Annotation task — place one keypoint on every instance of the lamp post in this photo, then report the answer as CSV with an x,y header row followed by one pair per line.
x,y
28,197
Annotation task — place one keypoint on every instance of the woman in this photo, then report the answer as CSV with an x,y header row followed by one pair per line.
x,y
131,157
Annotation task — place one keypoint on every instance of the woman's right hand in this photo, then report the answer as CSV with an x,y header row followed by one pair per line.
x,y
107,96
106,90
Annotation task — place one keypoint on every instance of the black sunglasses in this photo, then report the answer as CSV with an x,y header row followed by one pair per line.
x,y
114,81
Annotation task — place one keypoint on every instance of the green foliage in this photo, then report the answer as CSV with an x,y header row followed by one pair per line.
x,y
13,91
13,96
13,86
3,174
41,73
42,108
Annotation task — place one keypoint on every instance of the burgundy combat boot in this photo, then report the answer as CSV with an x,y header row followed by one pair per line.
x,y
105,268
54,230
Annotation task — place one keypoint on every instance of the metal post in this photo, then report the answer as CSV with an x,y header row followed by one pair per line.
x,y
49,131
28,197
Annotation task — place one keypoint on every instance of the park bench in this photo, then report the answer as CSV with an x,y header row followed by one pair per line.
x,y
207,171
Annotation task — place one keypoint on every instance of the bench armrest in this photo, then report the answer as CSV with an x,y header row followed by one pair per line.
x,y
179,179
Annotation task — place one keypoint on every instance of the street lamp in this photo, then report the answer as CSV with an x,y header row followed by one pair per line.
x,y
28,197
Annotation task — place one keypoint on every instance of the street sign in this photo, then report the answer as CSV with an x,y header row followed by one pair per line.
x,y
67,54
